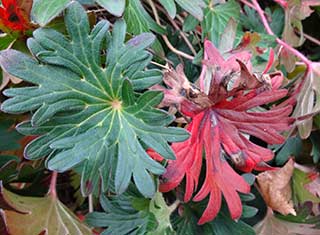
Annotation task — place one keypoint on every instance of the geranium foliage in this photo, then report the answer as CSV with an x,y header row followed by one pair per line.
x,y
221,122
88,114
168,117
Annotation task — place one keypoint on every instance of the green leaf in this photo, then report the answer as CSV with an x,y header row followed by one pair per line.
x,y
162,212
251,20
292,147
300,193
216,19
86,2
6,40
223,225
115,7
190,23
9,137
248,211
170,7
194,7
81,114
43,11
249,178
121,218
139,20
38,215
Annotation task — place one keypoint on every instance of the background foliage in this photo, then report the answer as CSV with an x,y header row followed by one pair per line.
x,y
138,117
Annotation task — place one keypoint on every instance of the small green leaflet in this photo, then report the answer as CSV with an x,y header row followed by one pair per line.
x,y
89,113
194,7
115,7
139,20
130,214
43,11
216,18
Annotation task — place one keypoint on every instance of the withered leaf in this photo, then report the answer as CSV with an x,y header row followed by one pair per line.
x,y
35,215
308,101
271,225
276,189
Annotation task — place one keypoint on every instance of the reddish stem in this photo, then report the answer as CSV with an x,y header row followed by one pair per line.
x,y
293,51
282,3
53,184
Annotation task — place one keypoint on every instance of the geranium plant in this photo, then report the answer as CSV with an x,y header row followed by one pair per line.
x,y
159,117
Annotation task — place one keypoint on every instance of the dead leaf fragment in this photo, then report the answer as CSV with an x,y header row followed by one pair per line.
x,y
276,189
271,225
37,215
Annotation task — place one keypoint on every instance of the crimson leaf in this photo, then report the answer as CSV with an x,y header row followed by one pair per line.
x,y
222,120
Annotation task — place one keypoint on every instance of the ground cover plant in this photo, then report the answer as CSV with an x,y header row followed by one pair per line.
x,y
159,117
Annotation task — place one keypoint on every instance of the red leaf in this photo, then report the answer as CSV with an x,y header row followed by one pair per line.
x,y
219,129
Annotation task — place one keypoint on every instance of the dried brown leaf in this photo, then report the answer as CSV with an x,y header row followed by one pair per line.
x,y
276,189
36,215
271,225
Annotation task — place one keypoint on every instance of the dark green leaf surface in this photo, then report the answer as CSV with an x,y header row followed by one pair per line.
x,y
9,137
86,112
292,147
139,20
121,218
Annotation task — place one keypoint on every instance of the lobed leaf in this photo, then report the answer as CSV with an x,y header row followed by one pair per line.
x,y
87,113
34,215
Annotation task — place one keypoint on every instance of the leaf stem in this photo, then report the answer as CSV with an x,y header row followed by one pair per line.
x,y
159,65
164,37
308,37
289,48
182,34
90,202
53,184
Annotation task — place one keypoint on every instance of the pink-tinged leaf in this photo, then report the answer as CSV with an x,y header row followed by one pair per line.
x,y
270,61
217,68
288,60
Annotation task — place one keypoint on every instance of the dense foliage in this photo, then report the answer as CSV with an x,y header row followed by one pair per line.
x,y
159,117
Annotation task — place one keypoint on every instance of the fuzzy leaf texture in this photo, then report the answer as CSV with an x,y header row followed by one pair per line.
x,y
87,112
222,120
